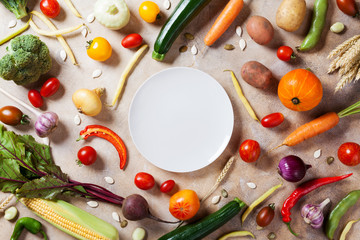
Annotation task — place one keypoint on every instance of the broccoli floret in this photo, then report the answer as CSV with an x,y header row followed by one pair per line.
x,y
18,7
28,57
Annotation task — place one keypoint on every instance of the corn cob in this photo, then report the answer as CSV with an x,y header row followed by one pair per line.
x,y
71,220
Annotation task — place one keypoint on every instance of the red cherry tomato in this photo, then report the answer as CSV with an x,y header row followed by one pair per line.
x,y
285,53
144,181
272,120
50,8
35,98
349,153
348,7
87,155
167,186
249,150
50,87
132,41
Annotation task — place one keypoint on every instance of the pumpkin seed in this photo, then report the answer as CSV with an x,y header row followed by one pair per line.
x,y
317,153
242,44
238,31
97,73
330,160
93,204
194,50
215,199
167,4
77,119
109,180
90,18
84,31
251,185
115,216
63,55
224,193
271,236
229,47
123,223
189,36
12,23
183,49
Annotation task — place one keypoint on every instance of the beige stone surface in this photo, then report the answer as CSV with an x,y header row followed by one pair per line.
x,y
212,60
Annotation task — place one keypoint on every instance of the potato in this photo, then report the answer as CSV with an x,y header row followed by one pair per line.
x,y
260,30
257,75
291,14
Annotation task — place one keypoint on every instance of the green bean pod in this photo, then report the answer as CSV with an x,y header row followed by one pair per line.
x,y
317,26
338,212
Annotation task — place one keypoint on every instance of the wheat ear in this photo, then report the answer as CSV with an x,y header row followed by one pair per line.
x,y
350,56
333,64
348,77
343,46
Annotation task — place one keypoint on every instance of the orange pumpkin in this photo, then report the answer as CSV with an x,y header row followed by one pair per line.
x,y
300,90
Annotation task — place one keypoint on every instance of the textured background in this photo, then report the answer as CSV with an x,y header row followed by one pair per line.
x,y
213,61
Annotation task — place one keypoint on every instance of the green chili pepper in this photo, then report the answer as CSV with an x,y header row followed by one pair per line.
x,y
30,224
317,26
340,209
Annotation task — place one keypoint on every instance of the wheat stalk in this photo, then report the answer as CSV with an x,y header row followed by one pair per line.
x,y
348,77
343,46
220,178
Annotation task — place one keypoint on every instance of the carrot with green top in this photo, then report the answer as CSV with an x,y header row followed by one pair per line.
x,y
318,126
224,20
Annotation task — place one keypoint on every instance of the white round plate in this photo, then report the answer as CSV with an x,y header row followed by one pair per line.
x,y
181,119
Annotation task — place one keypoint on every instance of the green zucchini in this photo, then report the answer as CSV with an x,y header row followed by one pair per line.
x,y
184,12
207,225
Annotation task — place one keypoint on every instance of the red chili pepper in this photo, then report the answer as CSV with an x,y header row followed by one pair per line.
x,y
106,133
301,191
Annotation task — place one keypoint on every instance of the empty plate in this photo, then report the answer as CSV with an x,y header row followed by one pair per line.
x,y
181,119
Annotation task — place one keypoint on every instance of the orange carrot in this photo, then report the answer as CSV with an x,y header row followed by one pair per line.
x,y
312,129
224,20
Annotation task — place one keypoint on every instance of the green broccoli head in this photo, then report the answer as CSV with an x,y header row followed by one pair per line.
x,y
28,57
18,7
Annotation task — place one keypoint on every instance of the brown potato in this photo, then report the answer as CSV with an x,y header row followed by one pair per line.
x,y
291,14
260,30
257,75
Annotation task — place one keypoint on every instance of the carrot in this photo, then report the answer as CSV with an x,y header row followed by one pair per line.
x,y
318,126
224,20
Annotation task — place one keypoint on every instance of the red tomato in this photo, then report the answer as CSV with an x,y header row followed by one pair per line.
x,y
348,7
132,41
35,98
265,216
87,155
50,87
249,150
50,8
167,186
184,204
285,53
349,153
144,181
272,120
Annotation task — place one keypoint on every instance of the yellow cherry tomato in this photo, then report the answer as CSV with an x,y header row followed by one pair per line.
x,y
99,49
149,11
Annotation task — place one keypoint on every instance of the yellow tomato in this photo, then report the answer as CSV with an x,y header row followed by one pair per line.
x,y
184,204
149,11
99,49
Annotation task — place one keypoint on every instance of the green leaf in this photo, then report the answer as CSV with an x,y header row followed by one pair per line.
x,y
10,176
46,187
41,152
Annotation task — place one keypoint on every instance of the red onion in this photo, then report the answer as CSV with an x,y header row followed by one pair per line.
x,y
292,168
46,123
313,214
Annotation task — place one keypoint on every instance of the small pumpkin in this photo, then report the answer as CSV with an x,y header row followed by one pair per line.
x,y
300,90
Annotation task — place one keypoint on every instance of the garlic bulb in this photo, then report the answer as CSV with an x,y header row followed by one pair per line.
x,y
313,214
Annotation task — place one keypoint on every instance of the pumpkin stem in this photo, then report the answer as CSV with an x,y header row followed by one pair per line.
x,y
295,101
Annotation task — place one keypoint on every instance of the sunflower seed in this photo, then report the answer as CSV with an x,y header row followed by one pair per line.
x,y
63,55
238,31
93,204
109,180
229,47
224,193
194,50
216,199
90,18
183,49
167,4
12,23
115,216
242,44
251,185
189,36
77,119
97,73
84,32
317,153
